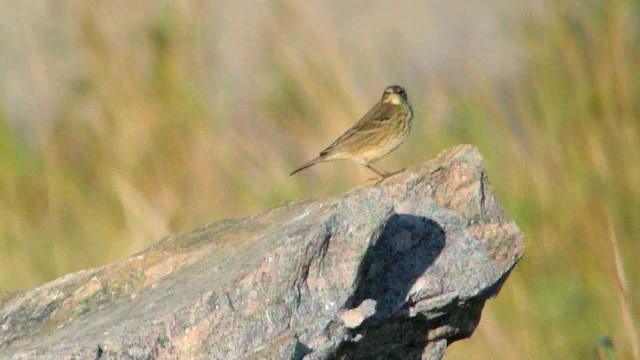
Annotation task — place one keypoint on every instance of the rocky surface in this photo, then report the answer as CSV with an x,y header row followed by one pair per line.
x,y
395,270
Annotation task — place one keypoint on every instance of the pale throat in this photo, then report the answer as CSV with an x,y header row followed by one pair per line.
x,y
395,99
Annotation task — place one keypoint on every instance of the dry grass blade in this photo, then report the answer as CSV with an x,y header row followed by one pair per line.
x,y
623,295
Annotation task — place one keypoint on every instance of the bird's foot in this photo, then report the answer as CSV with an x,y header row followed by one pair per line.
x,y
385,176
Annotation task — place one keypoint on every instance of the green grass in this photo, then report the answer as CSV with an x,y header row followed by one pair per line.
x,y
141,149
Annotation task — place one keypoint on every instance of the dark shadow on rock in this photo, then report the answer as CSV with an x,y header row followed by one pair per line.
x,y
300,351
408,246
407,337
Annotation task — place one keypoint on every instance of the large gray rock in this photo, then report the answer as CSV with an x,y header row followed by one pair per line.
x,y
396,270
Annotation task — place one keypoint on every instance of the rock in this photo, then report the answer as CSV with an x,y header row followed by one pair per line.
x,y
396,270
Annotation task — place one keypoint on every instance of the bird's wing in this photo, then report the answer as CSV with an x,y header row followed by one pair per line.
x,y
373,121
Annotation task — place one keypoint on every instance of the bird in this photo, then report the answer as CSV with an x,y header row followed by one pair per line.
x,y
376,134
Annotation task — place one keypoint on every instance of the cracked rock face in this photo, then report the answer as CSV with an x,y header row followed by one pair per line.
x,y
397,270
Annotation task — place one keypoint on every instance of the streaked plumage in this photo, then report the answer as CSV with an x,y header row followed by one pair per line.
x,y
377,133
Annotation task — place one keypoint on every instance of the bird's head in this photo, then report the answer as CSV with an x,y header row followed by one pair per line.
x,y
395,94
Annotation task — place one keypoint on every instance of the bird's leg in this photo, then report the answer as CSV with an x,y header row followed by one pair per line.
x,y
383,174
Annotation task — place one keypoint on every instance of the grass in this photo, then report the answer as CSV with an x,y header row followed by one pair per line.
x,y
142,145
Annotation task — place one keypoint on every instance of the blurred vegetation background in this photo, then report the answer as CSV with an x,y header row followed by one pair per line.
x,y
124,122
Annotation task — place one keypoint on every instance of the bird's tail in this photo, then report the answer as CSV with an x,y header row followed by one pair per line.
x,y
309,164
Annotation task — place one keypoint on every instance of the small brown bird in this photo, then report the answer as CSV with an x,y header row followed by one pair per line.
x,y
377,133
